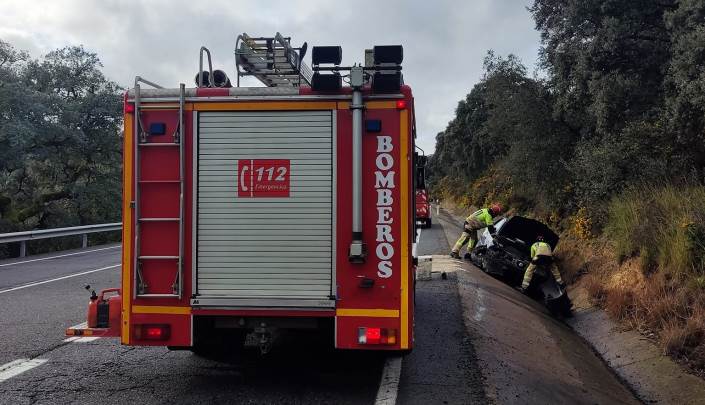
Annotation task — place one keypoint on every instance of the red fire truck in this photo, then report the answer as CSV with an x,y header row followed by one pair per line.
x,y
254,209
422,202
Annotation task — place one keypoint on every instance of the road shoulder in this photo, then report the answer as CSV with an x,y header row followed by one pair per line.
x,y
656,378
524,354
443,367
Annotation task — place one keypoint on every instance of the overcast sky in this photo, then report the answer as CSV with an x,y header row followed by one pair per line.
x,y
444,41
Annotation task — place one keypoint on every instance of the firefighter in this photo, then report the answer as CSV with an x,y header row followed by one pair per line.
x,y
541,256
478,220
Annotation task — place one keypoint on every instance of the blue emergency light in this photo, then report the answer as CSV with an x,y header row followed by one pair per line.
x,y
157,128
373,125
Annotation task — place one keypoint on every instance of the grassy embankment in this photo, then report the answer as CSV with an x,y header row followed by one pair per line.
x,y
644,264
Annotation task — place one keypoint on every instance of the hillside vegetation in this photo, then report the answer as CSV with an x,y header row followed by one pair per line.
x,y
606,143
60,152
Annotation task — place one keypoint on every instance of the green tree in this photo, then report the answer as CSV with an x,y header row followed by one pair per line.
x,y
628,76
60,154
605,59
506,122
684,112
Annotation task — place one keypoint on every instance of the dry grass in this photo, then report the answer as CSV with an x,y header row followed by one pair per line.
x,y
595,288
657,303
619,303
685,340
663,226
493,186
648,268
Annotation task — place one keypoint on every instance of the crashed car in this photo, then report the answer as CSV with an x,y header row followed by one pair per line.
x,y
505,254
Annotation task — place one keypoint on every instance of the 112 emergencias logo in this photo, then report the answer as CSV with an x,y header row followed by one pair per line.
x,y
263,178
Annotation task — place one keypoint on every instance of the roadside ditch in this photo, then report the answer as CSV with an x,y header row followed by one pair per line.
x,y
651,375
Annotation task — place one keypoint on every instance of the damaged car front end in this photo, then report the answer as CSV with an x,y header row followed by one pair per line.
x,y
505,254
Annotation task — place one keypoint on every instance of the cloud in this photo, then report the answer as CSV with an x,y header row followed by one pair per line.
x,y
444,41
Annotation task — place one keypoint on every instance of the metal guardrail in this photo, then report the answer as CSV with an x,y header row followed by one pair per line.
x,y
84,230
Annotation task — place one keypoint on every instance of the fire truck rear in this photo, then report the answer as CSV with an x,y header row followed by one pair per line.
x,y
422,203
255,209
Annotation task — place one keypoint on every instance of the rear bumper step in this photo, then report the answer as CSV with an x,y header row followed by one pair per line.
x,y
95,332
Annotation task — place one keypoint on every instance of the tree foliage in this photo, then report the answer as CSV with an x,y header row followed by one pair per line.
x,y
60,153
622,102
506,122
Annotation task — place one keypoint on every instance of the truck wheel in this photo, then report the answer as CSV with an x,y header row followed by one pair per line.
x,y
428,223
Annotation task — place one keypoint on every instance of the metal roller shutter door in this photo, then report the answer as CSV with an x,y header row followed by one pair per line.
x,y
265,248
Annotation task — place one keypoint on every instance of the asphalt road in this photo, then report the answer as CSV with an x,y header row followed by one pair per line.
x,y
39,298
33,317
451,364
42,295
443,367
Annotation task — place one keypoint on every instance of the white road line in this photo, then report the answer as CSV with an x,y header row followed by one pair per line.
x,y
86,339
389,385
414,246
81,325
59,256
58,279
18,366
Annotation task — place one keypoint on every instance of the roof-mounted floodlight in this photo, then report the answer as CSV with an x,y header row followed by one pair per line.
x,y
327,54
388,54
387,77
329,82
383,82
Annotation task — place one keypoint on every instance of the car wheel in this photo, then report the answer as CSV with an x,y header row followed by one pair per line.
x,y
566,307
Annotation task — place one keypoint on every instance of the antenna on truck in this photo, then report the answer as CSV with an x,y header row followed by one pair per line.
x,y
272,60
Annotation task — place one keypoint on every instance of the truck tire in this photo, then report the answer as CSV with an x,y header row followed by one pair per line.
x,y
428,223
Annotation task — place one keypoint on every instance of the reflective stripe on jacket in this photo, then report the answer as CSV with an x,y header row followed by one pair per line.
x,y
479,219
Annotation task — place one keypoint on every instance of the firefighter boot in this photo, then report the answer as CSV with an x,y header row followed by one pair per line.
x,y
454,255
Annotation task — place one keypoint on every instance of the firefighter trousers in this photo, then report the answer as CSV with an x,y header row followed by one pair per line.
x,y
529,274
468,237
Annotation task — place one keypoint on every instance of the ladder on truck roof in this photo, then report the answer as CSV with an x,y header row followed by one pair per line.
x,y
272,60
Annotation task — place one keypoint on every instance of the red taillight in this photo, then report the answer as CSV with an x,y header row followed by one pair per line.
x,y
152,332
373,335
127,107
376,336
401,104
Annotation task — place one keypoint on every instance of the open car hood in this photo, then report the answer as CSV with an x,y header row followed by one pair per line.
x,y
526,229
